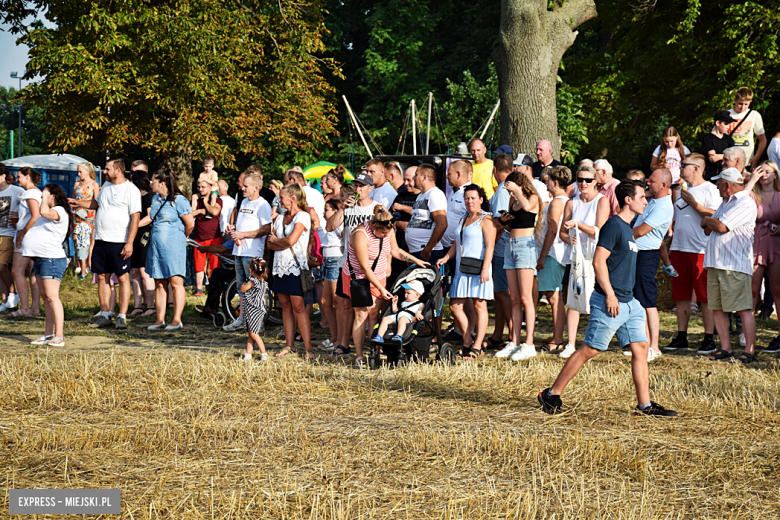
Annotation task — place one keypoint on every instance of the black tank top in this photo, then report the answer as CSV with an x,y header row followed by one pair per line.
x,y
522,219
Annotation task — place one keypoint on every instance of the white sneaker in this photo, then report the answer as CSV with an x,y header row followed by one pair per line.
x,y
543,300
78,270
247,358
652,355
525,352
236,325
742,341
627,352
509,349
568,351
263,356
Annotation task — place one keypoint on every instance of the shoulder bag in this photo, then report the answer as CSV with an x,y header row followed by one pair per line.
x,y
468,265
360,289
148,233
307,279
582,279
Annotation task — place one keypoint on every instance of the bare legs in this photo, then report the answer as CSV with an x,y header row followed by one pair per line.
x,y
521,285
558,315
22,266
55,316
160,299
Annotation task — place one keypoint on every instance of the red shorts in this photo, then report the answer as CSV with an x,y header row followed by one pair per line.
x,y
693,276
345,279
200,258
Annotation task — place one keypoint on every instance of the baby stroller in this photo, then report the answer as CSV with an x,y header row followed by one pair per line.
x,y
417,338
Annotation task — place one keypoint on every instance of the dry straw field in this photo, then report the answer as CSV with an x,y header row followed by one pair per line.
x,y
185,431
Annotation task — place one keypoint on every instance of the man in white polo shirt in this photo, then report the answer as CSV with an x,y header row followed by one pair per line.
x,y
728,259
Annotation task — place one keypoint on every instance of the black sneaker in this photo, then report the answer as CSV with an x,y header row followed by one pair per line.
x,y
774,346
707,347
655,410
550,403
677,344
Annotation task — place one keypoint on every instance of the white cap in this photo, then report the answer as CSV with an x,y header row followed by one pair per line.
x,y
414,285
523,160
731,175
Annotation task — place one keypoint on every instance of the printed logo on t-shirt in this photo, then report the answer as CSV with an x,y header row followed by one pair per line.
x,y
354,220
632,246
247,211
5,212
421,219
741,136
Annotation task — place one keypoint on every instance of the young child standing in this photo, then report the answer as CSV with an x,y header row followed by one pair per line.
x,y
82,234
210,176
254,307
404,313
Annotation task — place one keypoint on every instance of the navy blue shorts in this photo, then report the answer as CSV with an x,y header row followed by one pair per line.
x,y
645,284
289,284
107,259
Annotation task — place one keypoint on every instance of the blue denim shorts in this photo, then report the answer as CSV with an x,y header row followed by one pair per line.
x,y
628,326
331,268
49,268
82,254
242,270
520,253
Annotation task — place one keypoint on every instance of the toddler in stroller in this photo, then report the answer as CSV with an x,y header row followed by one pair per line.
x,y
409,311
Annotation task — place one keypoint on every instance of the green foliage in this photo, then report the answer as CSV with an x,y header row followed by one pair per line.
x,y
469,105
33,141
217,78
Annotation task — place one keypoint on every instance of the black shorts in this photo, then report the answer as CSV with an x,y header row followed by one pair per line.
x,y
645,284
107,259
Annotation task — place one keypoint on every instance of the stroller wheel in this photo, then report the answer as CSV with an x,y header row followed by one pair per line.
x,y
219,319
373,357
447,354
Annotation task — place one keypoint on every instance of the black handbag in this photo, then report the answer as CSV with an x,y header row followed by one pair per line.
x,y
468,265
360,289
307,279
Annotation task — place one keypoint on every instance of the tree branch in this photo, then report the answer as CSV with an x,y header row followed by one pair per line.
x,y
577,12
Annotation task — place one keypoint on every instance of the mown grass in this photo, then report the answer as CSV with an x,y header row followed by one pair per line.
x,y
185,431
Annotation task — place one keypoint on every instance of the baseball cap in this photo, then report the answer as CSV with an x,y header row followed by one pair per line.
x,y
505,148
364,178
523,160
82,213
731,175
724,116
414,285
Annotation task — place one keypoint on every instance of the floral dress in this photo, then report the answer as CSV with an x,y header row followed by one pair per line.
x,y
82,192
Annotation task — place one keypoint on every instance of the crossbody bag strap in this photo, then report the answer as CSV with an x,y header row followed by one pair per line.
x,y
295,258
373,266
740,122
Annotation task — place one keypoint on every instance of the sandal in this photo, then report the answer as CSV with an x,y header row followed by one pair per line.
x,y
149,312
474,354
298,338
492,344
360,362
721,355
42,340
56,342
19,314
136,311
285,352
745,359
464,351
551,346
308,356
341,350
170,305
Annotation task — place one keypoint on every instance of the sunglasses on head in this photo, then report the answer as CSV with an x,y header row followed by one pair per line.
x,y
586,181
385,223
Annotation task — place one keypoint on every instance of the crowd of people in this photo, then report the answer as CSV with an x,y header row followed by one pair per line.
x,y
514,230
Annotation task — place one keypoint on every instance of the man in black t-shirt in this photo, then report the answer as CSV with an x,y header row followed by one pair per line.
x,y
713,144
545,158
614,310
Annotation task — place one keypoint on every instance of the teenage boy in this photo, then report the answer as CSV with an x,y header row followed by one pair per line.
x,y
747,123
614,310
713,144
9,203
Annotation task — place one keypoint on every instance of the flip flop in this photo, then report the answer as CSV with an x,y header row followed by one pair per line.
x,y
136,311
19,314
149,312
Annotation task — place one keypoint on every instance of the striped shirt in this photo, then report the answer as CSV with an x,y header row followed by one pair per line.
x,y
373,251
733,250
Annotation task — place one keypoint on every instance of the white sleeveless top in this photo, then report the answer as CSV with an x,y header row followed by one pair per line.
x,y
559,250
585,213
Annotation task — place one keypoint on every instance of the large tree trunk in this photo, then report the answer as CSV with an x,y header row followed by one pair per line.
x,y
181,162
532,41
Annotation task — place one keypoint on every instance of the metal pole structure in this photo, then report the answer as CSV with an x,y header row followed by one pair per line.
x,y
354,120
428,137
15,76
414,136
492,114
12,144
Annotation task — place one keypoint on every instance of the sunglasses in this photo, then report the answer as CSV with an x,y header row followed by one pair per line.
x,y
586,181
385,223
685,164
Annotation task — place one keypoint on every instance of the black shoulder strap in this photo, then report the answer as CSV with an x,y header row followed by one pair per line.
x,y
373,266
740,122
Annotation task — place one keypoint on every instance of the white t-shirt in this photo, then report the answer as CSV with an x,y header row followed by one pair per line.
x,y
253,214
541,189
744,136
673,160
315,200
116,202
9,201
688,236
24,206
333,244
284,263
384,194
773,150
45,238
456,208
420,227
228,203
